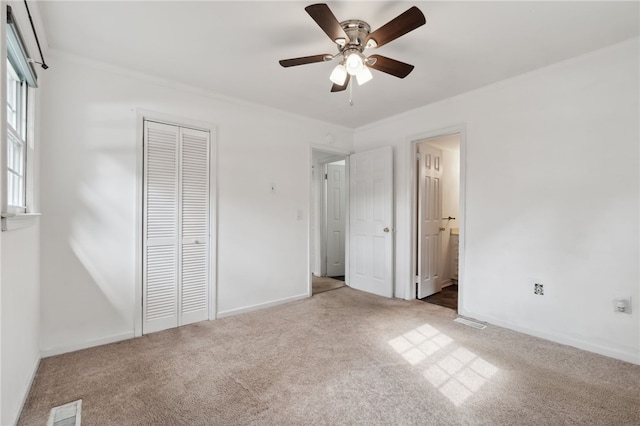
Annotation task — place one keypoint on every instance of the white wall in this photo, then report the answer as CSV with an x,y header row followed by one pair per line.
x,y
19,273
89,198
20,318
552,197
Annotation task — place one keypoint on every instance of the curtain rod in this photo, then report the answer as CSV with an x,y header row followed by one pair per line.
x,y
43,64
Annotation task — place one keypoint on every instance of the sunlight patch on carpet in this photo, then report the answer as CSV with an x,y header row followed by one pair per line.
x,y
457,375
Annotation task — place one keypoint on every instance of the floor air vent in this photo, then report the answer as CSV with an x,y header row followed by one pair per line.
x,y
66,415
470,323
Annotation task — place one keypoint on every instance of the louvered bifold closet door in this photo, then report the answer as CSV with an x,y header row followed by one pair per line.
x,y
194,291
161,226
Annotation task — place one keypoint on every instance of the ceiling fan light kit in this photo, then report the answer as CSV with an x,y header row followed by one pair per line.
x,y
354,61
352,37
363,76
338,75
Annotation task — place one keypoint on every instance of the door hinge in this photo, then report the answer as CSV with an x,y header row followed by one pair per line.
x,y
418,157
326,176
417,279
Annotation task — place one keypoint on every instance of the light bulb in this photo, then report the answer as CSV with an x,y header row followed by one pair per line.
x,y
363,76
338,75
354,63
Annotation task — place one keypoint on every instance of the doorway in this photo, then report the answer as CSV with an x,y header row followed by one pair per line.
x,y
334,212
437,192
329,172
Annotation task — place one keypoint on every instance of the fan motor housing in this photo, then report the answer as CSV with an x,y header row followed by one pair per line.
x,y
357,31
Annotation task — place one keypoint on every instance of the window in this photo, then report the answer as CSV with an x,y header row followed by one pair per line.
x,y
21,79
16,140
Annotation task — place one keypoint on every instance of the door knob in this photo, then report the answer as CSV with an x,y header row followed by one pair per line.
x,y
386,229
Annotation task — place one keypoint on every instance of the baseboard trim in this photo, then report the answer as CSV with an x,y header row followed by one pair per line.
x,y
45,353
231,312
32,378
630,357
446,283
85,345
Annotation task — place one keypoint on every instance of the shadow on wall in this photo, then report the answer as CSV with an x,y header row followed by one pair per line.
x,y
101,236
89,290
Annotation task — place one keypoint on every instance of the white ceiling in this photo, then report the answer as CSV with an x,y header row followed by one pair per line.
x,y
233,48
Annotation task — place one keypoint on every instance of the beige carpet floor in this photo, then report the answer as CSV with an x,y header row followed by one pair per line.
x,y
340,357
322,284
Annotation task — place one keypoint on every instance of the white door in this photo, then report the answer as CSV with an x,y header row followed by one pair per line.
x,y
429,220
194,260
371,221
176,226
336,221
160,254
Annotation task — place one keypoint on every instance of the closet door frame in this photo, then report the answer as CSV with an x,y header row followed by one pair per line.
x,y
141,116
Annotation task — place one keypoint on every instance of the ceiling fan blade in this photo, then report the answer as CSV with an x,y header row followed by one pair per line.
x,y
398,26
390,66
338,88
327,21
303,60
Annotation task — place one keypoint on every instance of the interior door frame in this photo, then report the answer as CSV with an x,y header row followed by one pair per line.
x,y
410,289
141,116
338,154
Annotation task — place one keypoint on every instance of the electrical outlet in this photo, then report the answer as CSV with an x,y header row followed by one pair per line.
x,y
622,304
538,289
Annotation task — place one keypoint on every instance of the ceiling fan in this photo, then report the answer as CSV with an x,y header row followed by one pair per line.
x,y
352,37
